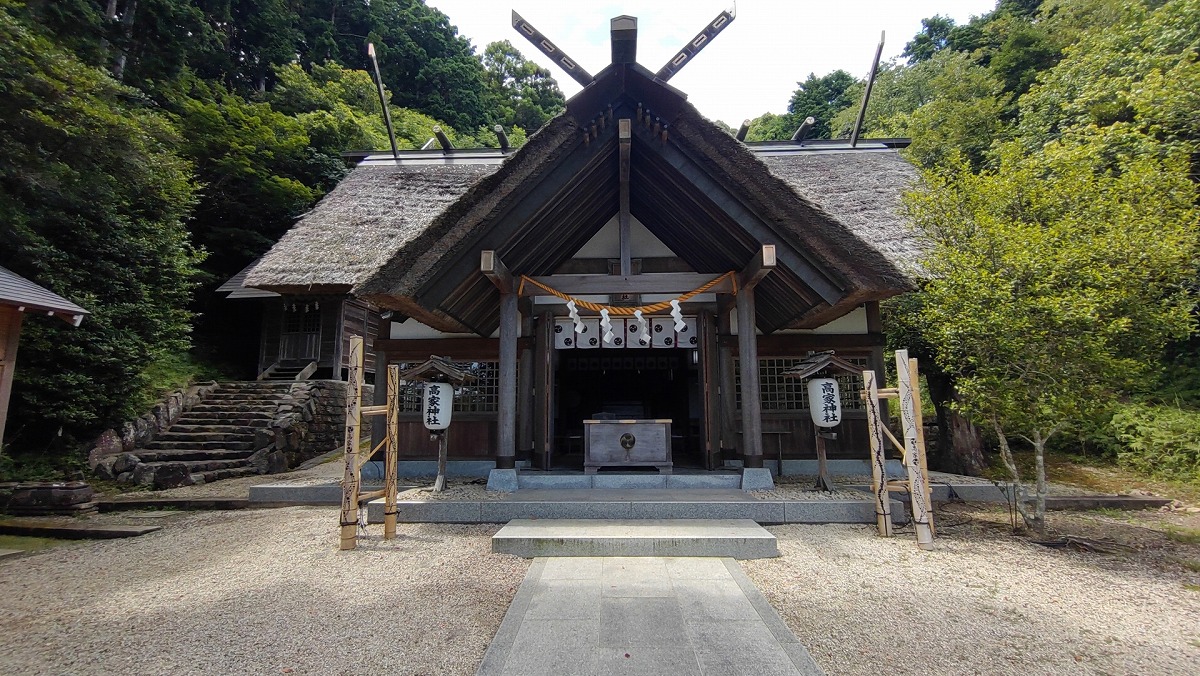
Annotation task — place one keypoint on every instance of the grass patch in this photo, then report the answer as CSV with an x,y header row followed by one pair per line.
x,y
174,372
1189,536
28,544
1094,474
1191,564
1191,587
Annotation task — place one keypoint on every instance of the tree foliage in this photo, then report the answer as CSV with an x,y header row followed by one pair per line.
x,y
523,94
1057,278
92,196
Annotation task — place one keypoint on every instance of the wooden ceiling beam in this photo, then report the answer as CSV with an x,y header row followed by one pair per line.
x,y
599,285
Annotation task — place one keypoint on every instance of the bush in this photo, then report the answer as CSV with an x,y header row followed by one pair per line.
x,y
1163,441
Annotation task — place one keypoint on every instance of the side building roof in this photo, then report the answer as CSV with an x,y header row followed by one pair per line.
x,y
16,291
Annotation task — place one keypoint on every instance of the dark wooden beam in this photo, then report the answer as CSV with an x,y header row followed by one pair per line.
x,y
760,266
667,282
551,50
798,344
625,139
457,349
808,270
496,271
623,33
522,208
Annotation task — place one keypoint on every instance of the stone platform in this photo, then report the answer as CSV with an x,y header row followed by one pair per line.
x,y
634,503
733,538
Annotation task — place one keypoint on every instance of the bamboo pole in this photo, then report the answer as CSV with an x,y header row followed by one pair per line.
x,y
917,482
919,414
883,502
371,495
349,521
391,454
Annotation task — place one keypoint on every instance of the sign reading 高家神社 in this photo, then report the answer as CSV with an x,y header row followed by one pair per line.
x,y
824,402
436,409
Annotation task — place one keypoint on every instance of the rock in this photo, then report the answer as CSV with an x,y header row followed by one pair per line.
x,y
146,430
162,420
263,437
172,475
104,468
276,462
143,474
174,407
1192,510
125,477
128,437
126,462
107,444
259,460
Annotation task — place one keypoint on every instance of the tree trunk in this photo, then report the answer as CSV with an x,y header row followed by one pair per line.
x,y
1020,497
960,443
1039,458
127,30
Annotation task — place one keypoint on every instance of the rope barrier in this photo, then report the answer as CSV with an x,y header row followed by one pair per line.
x,y
622,311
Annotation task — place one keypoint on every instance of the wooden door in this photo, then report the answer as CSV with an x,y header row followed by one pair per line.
x,y
301,336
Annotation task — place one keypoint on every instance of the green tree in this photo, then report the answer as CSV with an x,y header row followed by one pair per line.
x,y
93,197
946,104
425,63
934,37
821,97
256,167
771,127
524,94
1057,278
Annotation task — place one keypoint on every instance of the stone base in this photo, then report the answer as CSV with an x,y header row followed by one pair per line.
x,y
735,538
757,479
502,480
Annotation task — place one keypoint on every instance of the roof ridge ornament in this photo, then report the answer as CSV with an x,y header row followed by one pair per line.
x,y
551,50
691,49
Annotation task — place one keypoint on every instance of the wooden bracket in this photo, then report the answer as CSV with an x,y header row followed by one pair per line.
x,y
760,266
494,269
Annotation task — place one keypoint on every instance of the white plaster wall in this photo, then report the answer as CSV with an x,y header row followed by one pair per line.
x,y
607,242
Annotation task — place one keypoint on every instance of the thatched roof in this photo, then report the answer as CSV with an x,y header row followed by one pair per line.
x,y
18,292
371,215
862,189
236,287
407,236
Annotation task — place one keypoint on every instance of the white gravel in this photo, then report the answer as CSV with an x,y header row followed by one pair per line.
x,y
262,591
981,603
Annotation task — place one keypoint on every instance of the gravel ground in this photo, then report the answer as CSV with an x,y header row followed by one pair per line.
x,y
983,602
260,591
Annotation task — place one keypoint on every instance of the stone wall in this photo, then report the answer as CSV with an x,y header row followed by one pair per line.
x,y
309,423
137,433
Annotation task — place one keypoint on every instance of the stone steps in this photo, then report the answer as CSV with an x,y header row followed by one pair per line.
x,y
192,454
215,439
195,466
735,538
217,475
201,445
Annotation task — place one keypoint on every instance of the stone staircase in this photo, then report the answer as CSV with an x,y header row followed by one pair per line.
x,y
217,437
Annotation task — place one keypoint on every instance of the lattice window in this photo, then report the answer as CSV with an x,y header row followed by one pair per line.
x,y
481,395
791,394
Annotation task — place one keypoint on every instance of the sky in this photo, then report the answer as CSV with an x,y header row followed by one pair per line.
x,y
751,68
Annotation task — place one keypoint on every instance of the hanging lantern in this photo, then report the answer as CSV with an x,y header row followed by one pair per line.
x,y
824,402
435,409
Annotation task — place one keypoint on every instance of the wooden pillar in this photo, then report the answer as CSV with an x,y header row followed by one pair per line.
x,y
543,431
883,501
752,450
709,393
725,375
349,521
760,266
525,385
917,479
506,450
10,332
392,448
506,420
